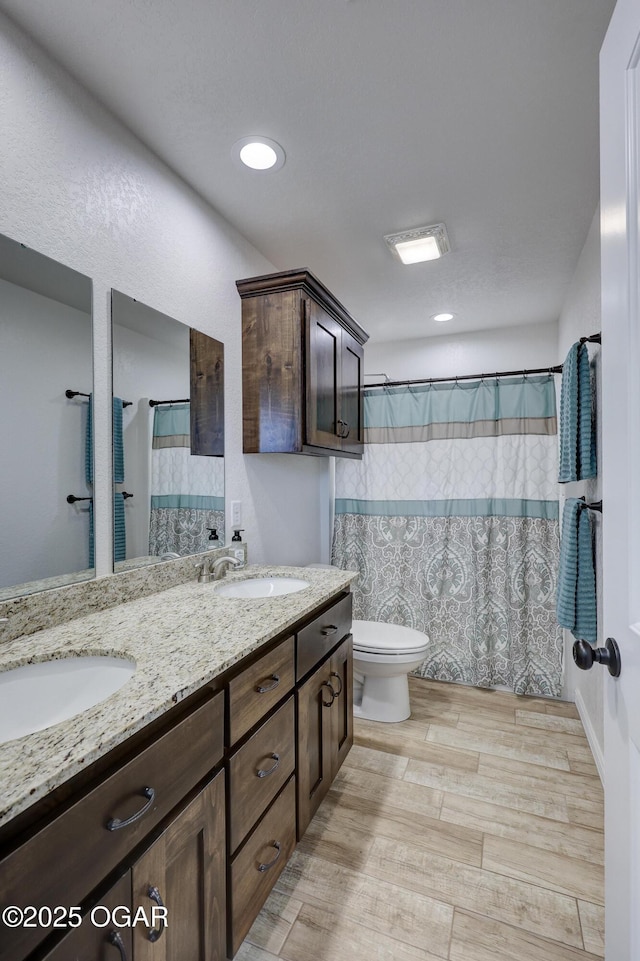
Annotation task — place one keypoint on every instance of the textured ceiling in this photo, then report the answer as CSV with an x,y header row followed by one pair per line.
x,y
392,113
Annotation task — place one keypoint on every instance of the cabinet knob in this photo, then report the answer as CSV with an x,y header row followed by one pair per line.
x,y
336,675
586,656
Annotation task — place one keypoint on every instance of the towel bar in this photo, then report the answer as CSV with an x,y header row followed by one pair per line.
x,y
78,393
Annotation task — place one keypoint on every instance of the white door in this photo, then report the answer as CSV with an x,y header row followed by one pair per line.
x,y
620,231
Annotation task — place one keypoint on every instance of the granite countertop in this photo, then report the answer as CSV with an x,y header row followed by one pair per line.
x,y
180,639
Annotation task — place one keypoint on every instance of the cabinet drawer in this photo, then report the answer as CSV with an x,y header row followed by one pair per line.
x,y
78,845
322,634
259,864
258,688
259,769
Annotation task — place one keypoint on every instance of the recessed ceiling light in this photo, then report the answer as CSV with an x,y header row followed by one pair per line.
x,y
422,243
258,153
442,317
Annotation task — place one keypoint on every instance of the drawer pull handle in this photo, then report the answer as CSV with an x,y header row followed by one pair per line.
x,y
114,824
262,773
335,674
114,938
271,687
156,933
333,694
329,629
269,864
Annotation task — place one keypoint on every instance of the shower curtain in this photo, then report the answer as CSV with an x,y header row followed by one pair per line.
x,y
451,518
187,490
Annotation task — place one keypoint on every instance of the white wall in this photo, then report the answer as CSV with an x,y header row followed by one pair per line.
x,y
80,188
510,348
580,317
45,348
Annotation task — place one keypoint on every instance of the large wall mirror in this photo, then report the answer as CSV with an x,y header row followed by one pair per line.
x,y
168,430
46,381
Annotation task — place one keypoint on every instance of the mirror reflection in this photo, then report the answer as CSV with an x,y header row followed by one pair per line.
x,y
168,410
47,455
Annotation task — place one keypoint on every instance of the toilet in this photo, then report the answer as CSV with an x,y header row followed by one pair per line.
x,y
383,655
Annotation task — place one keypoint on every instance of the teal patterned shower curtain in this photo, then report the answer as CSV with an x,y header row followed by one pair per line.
x,y
451,518
187,490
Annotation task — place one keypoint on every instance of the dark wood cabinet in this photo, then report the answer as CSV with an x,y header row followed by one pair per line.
x,y
206,369
95,943
302,368
82,840
315,699
205,820
341,679
325,729
184,871
259,863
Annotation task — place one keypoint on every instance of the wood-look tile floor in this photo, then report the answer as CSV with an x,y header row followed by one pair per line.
x,y
471,832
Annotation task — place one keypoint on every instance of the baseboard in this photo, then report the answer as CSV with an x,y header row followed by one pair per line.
x,y
596,750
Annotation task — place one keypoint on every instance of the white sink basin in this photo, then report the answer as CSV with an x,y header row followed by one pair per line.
x,y
262,587
36,696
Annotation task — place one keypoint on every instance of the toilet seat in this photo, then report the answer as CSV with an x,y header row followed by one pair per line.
x,y
373,637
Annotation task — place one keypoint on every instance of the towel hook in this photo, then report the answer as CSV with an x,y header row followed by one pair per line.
x,y
595,506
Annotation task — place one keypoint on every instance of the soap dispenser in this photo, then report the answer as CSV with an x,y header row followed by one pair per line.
x,y
214,540
237,547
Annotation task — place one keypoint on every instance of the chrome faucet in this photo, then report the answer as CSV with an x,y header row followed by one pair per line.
x,y
216,568
212,572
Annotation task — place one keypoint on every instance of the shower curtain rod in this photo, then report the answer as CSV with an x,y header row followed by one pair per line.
x,y
157,403
591,339
441,380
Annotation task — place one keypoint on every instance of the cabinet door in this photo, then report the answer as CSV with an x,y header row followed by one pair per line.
x,y
95,943
351,394
315,699
184,869
323,337
341,678
207,394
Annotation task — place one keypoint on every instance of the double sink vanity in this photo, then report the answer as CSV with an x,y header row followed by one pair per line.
x,y
165,739
186,788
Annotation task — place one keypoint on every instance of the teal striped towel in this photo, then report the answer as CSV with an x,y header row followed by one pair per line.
x,y
119,530
118,443
576,600
92,542
88,445
577,439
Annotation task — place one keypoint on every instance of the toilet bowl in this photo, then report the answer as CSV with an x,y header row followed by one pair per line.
x,y
383,655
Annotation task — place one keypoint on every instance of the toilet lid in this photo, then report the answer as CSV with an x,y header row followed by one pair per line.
x,y
373,637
